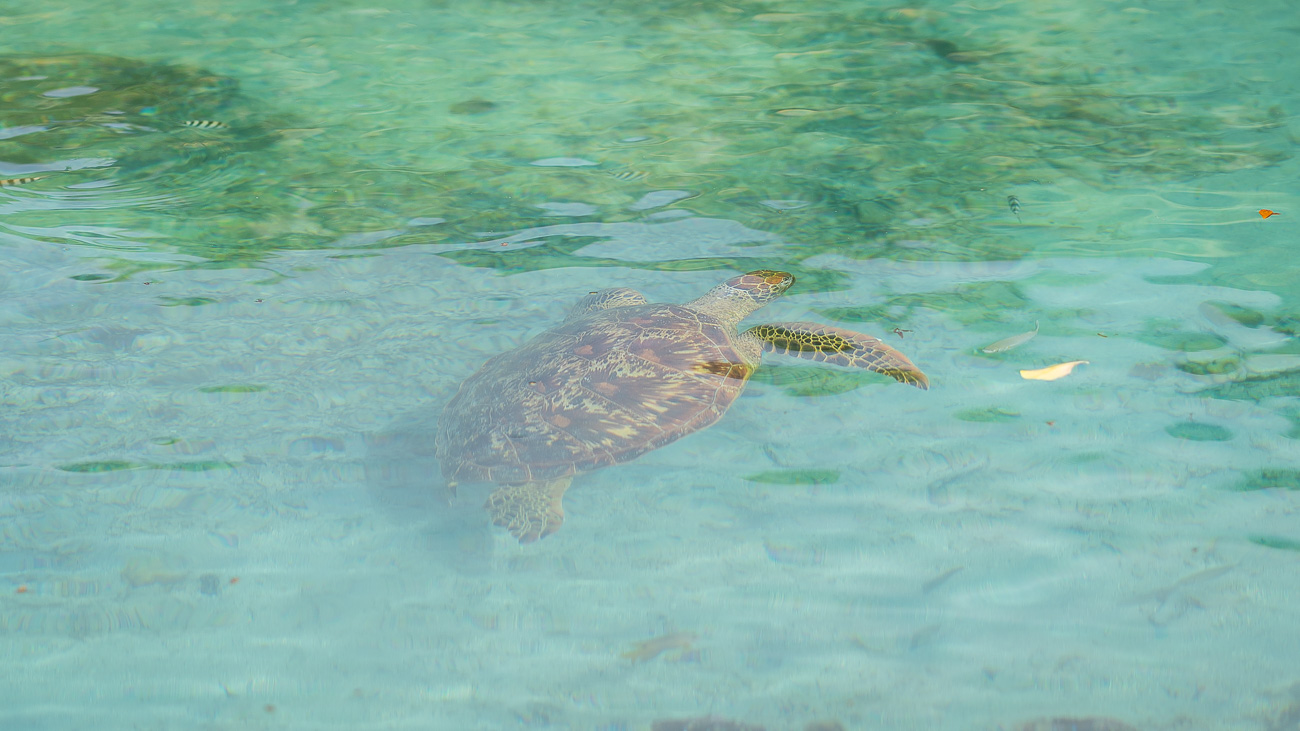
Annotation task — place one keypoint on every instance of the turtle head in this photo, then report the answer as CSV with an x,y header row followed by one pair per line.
x,y
760,285
737,297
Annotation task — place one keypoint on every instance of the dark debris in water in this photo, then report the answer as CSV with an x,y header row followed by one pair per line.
x,y
1091,723
948,51
714,723
1287,717
704,723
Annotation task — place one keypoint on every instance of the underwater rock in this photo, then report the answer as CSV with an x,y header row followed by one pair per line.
x,y
472,106
1092,723
1269,478
73,111
1257,388
54,90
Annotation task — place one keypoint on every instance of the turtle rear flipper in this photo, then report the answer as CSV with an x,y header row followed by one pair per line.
x,y
531,510
836,345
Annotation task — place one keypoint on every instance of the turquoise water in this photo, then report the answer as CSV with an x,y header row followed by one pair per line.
x,y
226,347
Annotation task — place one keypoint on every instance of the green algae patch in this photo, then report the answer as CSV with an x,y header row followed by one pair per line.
x,y
858,117
197,466
119,465
1197,432
1241,315
1169,335
992,414
186,301
795,477
111,465
1293,415
1269,479
1214,367
1257,388
1278,542
234,388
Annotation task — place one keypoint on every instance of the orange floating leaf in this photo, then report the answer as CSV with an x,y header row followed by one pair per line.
x,y
1051,373
1266,213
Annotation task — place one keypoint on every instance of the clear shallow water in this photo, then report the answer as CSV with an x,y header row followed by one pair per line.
x,y
226,350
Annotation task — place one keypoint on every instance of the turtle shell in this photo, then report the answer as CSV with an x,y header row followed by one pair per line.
x,y
596,390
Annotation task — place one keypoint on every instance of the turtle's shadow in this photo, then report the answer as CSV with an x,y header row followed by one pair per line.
x,y
403,479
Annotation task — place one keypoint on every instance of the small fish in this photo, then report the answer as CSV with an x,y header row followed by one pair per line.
x,y
19,181
1265,213
1014,204
205,124
794,556
1011,342
948,51
626,176
938,581
1051,373
924,636
472,106
654,647
1173,601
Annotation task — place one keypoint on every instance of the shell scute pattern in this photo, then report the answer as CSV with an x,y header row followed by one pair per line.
x,y
618,378
598,389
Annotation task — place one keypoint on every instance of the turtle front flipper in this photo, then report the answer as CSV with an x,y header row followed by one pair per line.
x,y
531,510
837,345
607,299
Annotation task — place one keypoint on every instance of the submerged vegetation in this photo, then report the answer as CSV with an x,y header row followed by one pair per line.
x,y
871,132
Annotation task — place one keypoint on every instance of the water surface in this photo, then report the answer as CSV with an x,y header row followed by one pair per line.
x,y
227,343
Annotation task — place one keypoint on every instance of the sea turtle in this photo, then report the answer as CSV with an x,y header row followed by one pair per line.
x,y
619,377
